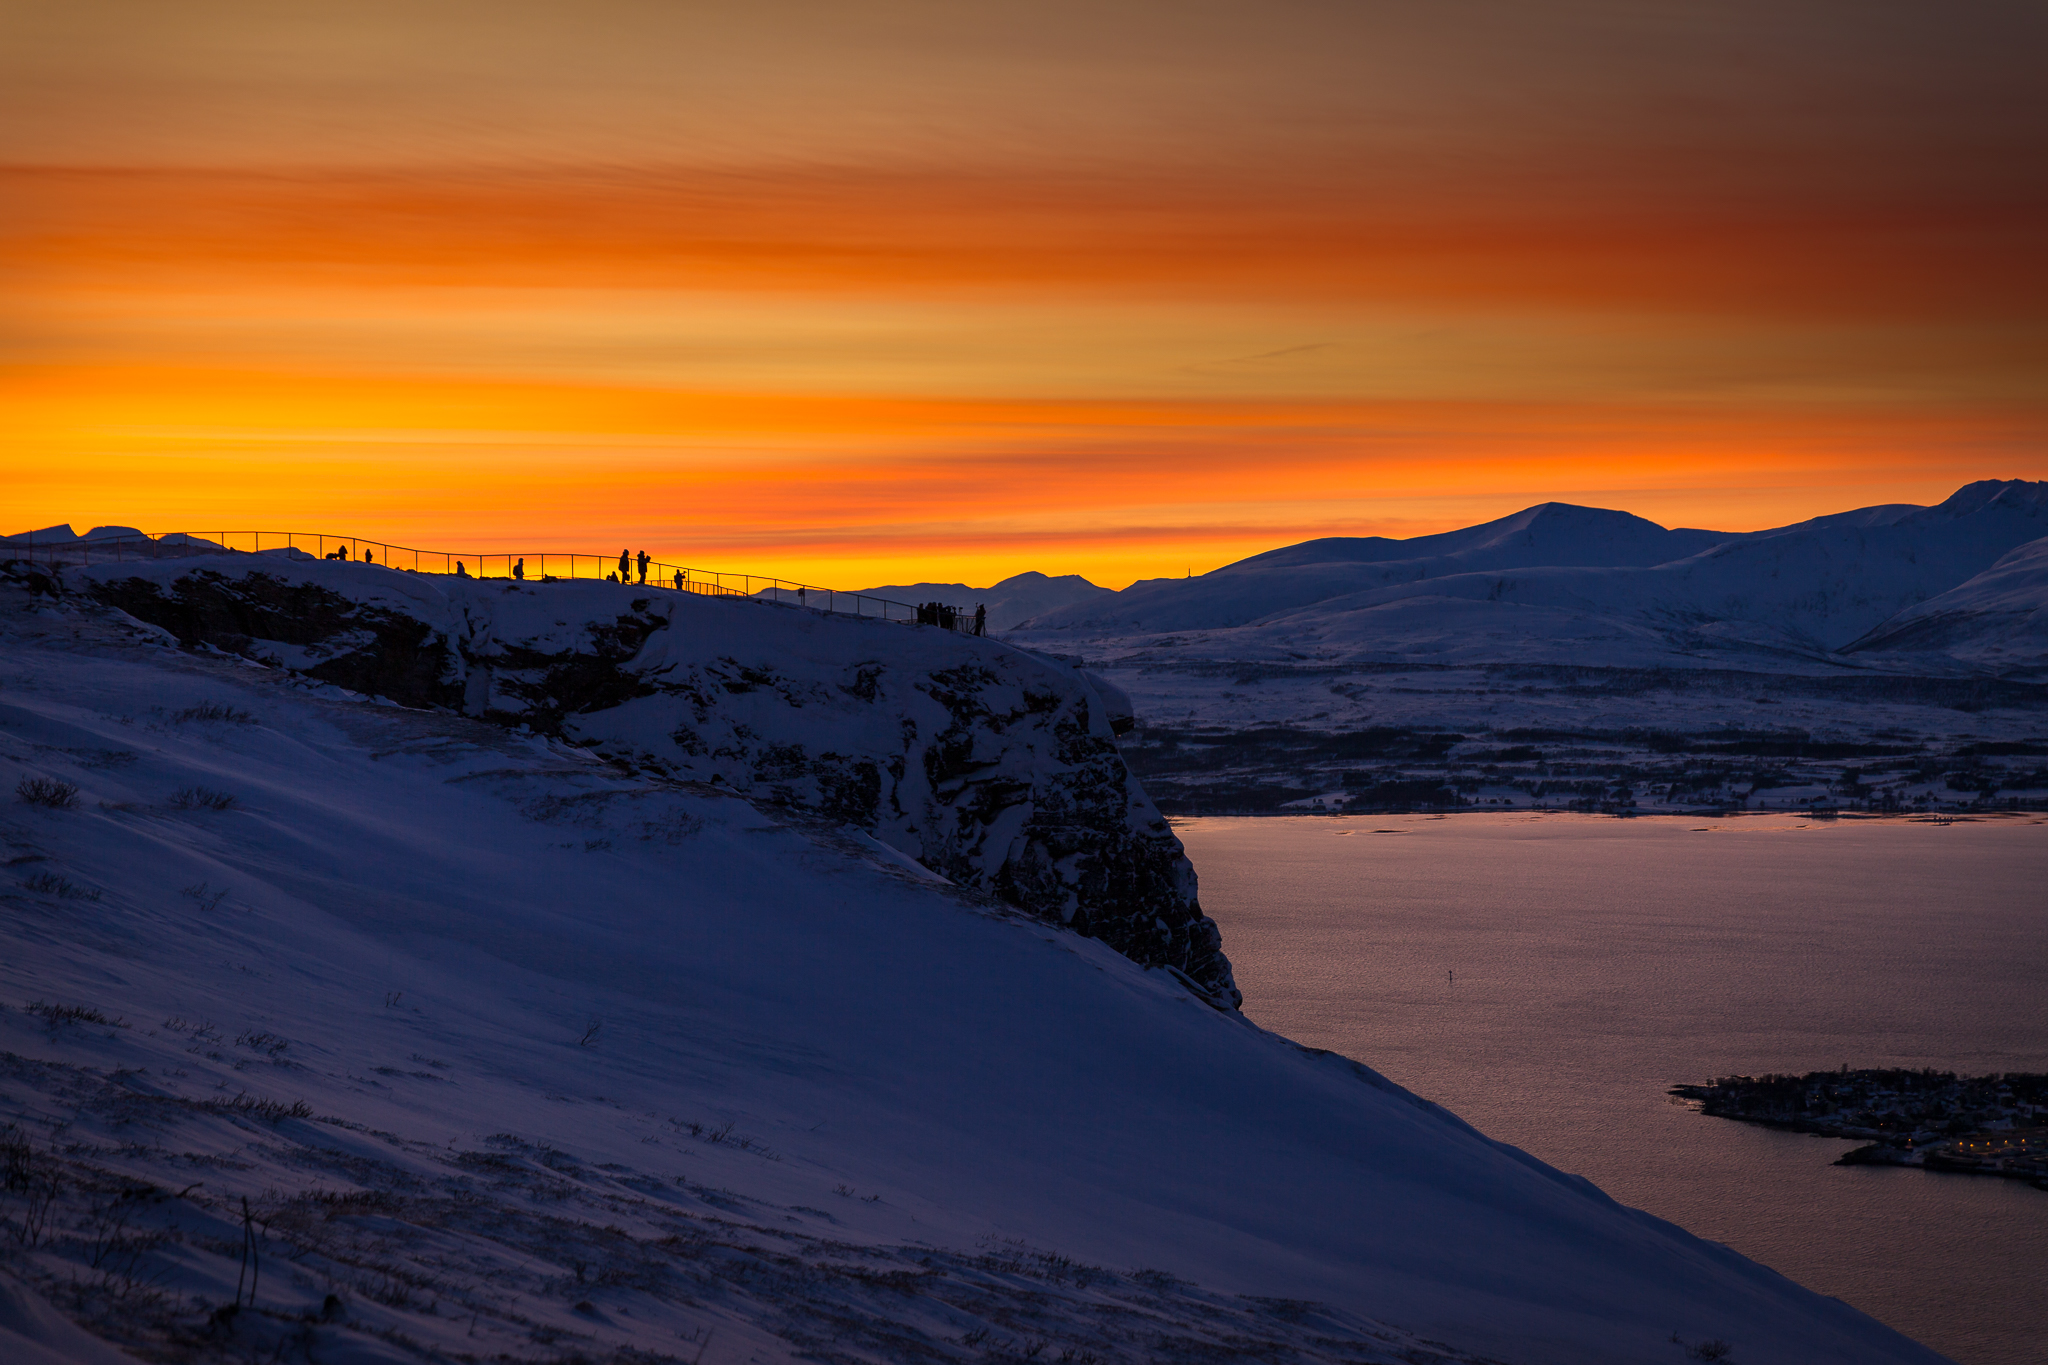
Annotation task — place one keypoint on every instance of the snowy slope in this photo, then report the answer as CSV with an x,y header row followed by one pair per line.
x,y
1996,622
1560,588
1014,600
994,767
1831,580
517,1055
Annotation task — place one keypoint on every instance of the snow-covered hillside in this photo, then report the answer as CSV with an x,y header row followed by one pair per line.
x,y
990,766
1997,621
1569,585
1316,571
1549,533
1010,603
419,1037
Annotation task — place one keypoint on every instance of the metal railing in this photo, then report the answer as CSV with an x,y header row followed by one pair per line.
x,y
546,566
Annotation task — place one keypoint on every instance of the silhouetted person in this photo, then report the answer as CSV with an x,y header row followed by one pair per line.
x,y
625,567
460,572
341,552
519,570
611,578
369,556
643,567
679,580
981,618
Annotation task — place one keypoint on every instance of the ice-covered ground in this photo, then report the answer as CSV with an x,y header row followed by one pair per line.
x,y
441,1040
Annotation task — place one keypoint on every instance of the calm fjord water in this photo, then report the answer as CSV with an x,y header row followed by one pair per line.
x,y
1598,961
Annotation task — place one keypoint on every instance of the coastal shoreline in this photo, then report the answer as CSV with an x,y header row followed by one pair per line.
x,y
1935,1121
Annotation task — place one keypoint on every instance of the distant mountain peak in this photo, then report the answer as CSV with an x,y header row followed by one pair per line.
x,y
1010,602
2029,494
1572,511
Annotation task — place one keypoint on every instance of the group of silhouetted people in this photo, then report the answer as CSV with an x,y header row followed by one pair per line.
x,y
626,562
954,618
631,565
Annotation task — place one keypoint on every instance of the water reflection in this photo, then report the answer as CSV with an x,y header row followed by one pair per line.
x,y
1547,977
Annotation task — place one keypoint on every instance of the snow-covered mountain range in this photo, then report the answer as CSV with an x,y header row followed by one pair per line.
x,y
1889,658
1579,585
554,1004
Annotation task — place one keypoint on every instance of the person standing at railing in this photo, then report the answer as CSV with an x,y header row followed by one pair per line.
x,y
519,570
625,567
679,580
981,618
643,568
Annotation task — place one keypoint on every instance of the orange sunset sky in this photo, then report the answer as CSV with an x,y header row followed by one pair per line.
x,y
861,293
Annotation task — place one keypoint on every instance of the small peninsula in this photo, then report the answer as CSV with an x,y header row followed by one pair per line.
x,y
1981,1125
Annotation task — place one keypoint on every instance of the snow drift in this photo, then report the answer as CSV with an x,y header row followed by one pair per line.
x,y
470,1044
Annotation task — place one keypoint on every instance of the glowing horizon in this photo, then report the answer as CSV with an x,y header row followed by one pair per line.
x,y
861,297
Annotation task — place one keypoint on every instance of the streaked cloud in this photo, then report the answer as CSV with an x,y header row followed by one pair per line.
x,y
874,290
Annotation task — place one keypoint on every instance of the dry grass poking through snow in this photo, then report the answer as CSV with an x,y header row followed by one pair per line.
x,y
125,1206
45,791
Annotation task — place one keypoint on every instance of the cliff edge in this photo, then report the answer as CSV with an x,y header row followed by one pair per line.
x,y
995,768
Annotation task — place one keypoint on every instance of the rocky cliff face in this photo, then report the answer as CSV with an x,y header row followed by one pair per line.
x,y
993,767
